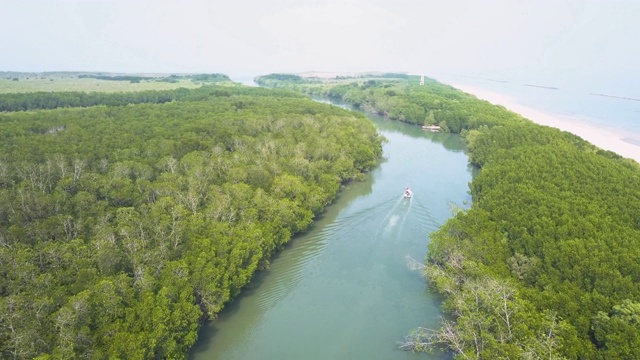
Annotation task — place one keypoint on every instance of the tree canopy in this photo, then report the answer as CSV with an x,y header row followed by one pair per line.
x,y
545,263
127,220
61,99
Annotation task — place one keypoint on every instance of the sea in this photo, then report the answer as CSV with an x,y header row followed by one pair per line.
x,y
602,105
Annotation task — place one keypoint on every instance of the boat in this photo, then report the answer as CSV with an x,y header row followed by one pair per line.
x,y
408,193
432,128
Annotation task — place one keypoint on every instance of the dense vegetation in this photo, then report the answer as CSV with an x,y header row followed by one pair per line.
x,y
170,78
123,227
21,82
395,97
58,99
546,262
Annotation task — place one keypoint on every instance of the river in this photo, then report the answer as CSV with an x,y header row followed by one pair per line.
x,y
343,289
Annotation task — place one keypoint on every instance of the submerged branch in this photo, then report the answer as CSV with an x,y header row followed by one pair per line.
x,y
413,264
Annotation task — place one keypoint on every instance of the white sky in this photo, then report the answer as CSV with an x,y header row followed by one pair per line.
x,y
549,38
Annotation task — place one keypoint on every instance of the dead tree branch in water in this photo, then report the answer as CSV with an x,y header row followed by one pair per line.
x,y
413,264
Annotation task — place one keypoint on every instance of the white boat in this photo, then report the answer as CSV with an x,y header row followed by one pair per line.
x,y
408,193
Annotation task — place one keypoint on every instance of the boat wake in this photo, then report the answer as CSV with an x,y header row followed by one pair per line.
x,y
393,223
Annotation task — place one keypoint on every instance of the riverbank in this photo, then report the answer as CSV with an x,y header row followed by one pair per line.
x,y
316,299
606,138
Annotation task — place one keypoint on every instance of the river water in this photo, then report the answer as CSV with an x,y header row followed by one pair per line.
x,y
343,289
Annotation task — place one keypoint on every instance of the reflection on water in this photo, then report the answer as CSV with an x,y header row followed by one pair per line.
x,y
343,289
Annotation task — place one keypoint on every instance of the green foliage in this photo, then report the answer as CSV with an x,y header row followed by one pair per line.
x,y
399,97
78,81
63,99
617,332
545,262
170,78
282,77
123,227
560,218
207,77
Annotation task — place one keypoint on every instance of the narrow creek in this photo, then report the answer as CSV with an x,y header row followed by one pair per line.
x,y
343,289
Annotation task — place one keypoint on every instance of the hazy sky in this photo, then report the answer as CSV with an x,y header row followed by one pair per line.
x,y
542,38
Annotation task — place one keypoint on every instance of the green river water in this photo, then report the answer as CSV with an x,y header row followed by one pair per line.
x,y
343,289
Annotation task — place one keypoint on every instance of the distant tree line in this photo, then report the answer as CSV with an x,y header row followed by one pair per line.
x,y
289,78
395,97
123,228
546,262
132,79
61,99
170,78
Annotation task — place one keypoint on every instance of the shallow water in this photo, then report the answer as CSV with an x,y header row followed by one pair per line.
x,y
344,290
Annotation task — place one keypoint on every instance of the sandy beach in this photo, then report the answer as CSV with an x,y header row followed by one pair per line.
x,y
608,139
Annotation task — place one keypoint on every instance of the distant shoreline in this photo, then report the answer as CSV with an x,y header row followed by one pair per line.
x,y
605,138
